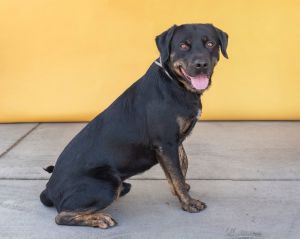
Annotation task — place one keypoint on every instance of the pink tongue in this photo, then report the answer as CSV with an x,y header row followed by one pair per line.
x,y
200,82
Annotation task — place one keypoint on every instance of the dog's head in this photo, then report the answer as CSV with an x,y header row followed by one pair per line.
x,y
190,52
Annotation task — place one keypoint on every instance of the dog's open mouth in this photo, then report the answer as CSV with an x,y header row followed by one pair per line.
x,y
199,82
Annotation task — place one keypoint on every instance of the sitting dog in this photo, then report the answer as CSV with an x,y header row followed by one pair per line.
x,y
146,125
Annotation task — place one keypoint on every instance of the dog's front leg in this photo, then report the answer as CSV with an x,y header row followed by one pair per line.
x,y
183,163
168,157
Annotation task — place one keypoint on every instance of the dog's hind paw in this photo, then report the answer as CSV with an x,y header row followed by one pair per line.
x,y
92,219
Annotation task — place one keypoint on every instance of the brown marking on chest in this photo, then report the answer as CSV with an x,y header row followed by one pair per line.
x,y
185,125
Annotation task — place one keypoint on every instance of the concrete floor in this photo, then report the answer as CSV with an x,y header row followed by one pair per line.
x,y
248,173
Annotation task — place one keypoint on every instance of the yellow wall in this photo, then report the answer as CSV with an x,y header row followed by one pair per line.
x,y
66,60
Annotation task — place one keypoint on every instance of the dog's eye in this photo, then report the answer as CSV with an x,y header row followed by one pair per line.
x,y
210,44
184,46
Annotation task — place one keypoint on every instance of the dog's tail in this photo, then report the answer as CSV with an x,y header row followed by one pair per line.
x,y
49,169
43,196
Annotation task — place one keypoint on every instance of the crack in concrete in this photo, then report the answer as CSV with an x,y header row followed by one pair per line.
x,y
19,140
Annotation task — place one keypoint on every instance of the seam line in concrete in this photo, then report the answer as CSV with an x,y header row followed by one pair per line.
x,y
19,140
155,179
226,179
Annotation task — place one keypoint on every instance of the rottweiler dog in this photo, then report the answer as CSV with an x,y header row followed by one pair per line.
x,y
145,126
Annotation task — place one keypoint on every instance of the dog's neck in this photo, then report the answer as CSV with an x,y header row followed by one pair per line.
x,y
175,87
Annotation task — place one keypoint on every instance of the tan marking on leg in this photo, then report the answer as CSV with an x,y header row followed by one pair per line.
x,y
183,160
169,180
183,164
184,125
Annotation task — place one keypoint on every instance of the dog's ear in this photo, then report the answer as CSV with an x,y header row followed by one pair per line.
x,y
163,43
223,38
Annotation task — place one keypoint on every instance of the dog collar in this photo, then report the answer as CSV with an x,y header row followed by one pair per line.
x,y
158,62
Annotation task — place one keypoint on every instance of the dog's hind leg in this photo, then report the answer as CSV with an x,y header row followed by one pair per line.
x,y
85,218
82,204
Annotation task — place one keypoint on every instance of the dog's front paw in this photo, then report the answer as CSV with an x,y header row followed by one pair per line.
x,y
193,205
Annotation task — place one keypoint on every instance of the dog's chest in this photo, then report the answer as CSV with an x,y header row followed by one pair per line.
x,y
186,124
190,111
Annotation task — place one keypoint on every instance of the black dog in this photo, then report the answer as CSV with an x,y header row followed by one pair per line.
x,y
146,125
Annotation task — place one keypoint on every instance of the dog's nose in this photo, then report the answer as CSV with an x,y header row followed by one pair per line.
x,y
201,64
